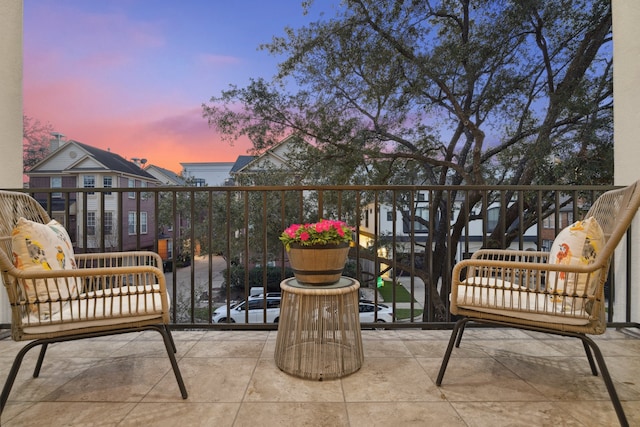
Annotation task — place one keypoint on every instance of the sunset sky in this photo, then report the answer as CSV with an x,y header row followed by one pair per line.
x,y
131,75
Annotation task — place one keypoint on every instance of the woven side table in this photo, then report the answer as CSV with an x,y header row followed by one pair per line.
x,y
319,330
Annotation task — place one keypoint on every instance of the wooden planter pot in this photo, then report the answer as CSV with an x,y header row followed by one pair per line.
x,y
318,265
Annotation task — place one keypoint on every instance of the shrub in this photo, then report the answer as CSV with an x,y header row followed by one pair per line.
x,y
274,277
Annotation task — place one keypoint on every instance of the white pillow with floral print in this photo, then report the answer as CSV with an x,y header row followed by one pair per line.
x,y
578,244
44,247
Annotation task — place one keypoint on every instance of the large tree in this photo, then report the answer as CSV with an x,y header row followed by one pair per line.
x,y
443,92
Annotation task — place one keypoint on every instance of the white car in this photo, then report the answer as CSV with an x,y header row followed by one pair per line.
x,y
369,314
254,308
237,313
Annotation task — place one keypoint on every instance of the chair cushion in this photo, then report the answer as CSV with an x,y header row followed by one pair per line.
x,y
124,306
500,297
44,247
578,244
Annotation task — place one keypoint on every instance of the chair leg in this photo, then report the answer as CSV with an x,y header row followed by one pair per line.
x,y
173,344
43,350
592,364
170,346
456,336
460,334
13,373
589,343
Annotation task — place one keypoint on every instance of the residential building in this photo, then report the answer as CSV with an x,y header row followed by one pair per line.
x,y
165,176
277,159
108,223
211,174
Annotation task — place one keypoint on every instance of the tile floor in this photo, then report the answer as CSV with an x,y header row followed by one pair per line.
x,y
498,377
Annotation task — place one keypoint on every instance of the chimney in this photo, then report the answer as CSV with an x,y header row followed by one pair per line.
x,y
56,141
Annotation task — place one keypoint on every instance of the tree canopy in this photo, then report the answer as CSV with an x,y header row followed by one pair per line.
x,y
441,92
472,91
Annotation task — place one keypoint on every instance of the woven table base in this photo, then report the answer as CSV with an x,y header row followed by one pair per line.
x,y
319,330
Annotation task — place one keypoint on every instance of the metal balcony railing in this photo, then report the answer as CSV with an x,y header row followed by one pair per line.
x,y
220,244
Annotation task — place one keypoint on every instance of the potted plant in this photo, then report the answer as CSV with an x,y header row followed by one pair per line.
x,y
317,251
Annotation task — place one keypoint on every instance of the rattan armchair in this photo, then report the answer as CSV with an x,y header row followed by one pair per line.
x,y
96,294
518,288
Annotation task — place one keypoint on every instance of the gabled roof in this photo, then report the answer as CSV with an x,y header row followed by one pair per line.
x,y
274,155
165,175
91,158
241,162
114,161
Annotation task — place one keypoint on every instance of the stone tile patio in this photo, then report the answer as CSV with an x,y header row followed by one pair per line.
x,y
498,377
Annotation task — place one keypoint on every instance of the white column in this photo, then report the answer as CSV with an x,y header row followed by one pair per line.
x,y
10,108
626,115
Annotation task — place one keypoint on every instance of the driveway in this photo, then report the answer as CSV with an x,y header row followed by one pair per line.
x,y
201,273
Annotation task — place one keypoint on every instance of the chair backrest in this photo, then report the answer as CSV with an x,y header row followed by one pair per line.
x,y
13,206
614,211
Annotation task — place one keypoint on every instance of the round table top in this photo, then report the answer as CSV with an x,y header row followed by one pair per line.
x,y
342,286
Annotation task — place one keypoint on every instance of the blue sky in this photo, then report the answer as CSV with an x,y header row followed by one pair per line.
x,y
131,75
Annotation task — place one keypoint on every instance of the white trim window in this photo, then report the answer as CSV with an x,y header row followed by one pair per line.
x,y
89,181
143,223
132,184
56,182
91,223
107,223
144,228
132,223
107,182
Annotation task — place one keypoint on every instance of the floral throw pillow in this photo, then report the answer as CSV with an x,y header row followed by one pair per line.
x,y
43,247
577,244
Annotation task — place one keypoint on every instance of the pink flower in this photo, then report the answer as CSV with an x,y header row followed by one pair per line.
x,y
323,226
323,232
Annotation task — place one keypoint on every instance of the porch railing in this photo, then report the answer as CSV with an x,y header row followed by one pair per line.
x,y
220,244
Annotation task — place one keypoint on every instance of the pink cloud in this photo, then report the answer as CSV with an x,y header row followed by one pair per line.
x,y
120,88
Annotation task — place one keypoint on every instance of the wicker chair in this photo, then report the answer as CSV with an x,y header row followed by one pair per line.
x,y
100,294
516,288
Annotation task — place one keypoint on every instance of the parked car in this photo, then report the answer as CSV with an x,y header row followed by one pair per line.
x,y
254,307
369,314
255,304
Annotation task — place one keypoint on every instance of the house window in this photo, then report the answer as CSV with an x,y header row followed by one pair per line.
x,y
89,181
107,182
107,223
199,182
132,184
390,216
421,197
493,215
143,223
423,213
418,227
56,182
91,223
144,195
549,222
132,223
